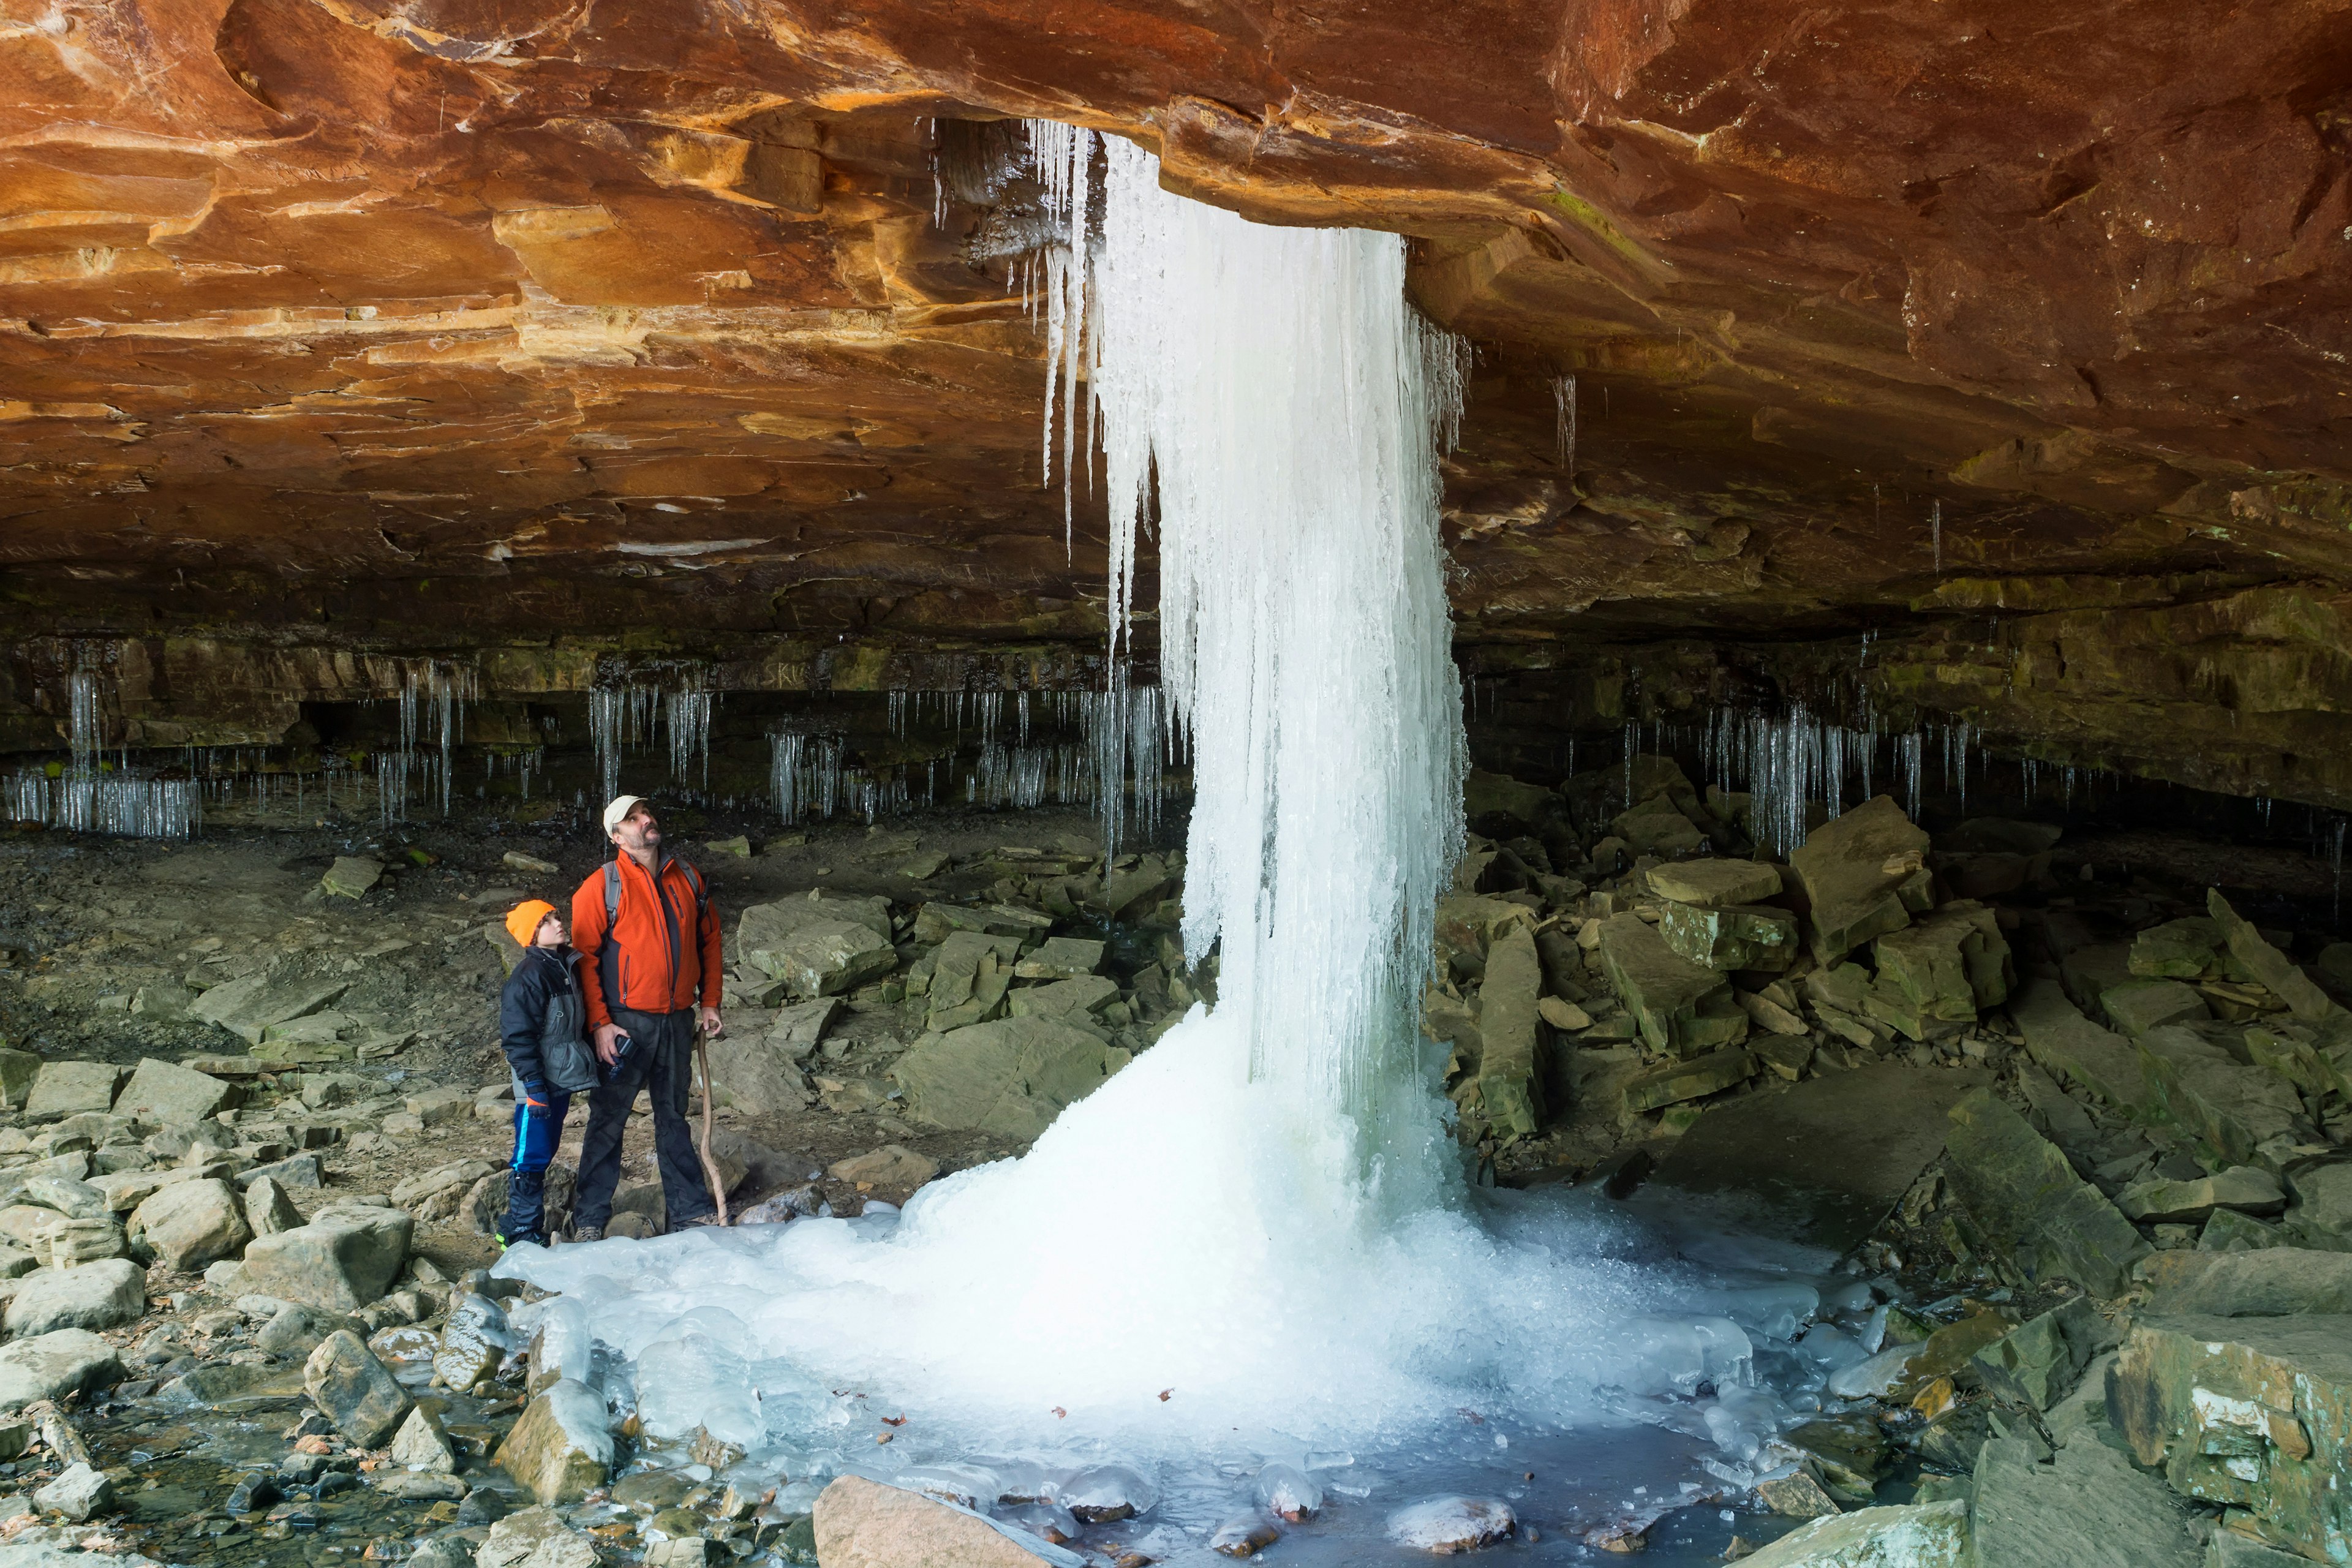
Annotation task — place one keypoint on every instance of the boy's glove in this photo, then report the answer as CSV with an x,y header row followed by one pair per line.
x,y
535,1095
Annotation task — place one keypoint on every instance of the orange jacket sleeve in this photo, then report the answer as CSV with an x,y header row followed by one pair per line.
x,y
588,938
713,966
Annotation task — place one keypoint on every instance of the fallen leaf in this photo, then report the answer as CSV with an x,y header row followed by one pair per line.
x,y
894,1420
1062,1413
1164,1393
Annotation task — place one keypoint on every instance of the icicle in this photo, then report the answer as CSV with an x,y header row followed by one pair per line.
x,y
1563,393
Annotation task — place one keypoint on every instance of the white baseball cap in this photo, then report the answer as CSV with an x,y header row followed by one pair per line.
x,y
619,809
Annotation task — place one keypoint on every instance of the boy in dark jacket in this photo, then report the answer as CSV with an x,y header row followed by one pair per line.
x,y
542,1018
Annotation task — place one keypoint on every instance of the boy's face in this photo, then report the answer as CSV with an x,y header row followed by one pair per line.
x,y
549,933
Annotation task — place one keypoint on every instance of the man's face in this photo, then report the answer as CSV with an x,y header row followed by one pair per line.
x,y
639,830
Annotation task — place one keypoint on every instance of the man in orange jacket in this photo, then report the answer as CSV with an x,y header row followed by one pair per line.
x,y
649,935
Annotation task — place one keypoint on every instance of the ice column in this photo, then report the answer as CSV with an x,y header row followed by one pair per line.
x,y
1287,402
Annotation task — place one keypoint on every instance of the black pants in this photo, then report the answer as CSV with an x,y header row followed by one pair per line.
x,y
662,1066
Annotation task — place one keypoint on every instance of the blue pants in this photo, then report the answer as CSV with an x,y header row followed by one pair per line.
x,y
538,1128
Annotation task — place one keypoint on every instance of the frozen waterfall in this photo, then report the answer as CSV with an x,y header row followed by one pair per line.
x,y
1255,1243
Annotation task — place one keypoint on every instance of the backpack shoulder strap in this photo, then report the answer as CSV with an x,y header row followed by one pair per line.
x,y
611,893
694,880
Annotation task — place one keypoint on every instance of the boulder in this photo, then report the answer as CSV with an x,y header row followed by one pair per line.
x,y
2226,1548
1712,884
188,1224
1932,1536
1657,826
75,1200
2246,1413
350,876
756,1074
62,1089
1700,1076
2027,1200
1680,1008
1862,874
161,1092
2273,970
294,1171
1076,1000
47,1366
344,1259
2230,1109
818,946
1725,937
268,1209
2278,1281
2321,1213
2039,1362
865,1524
1940,969
2075,1050
800,1029
418,1189
891,1168
103,1295
535,1538
1061,958
1510,1068
1009,1079
2178,950
561,1450
967,978
2087,1507
354,1390
2159,1200
250,1006
2138,1005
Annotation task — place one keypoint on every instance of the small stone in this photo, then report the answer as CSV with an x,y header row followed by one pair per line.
x,y
516,860
1061,958
354,1390
891,1168
78,1494
103,1295
295,1171
350,876
1796,1496
421,1444
1561,1014
561,1450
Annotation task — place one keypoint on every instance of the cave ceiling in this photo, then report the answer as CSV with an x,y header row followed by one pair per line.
x,y
434,325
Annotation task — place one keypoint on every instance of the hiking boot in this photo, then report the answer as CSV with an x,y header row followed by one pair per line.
x,y
587,1232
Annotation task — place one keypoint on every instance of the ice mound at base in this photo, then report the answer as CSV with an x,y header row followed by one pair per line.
x,y
1181,1230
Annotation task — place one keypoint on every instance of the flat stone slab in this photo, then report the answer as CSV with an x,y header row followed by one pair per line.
x,y
2027,1199
1820,1161
2088,1508
2276,1282
1713,883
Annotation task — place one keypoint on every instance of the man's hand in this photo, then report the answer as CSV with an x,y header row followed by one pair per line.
x,y
711,1027
608,1042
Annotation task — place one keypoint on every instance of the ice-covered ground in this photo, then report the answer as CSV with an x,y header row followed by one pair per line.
x,y
1174,1285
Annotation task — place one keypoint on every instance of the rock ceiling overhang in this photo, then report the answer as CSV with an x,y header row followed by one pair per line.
x,y
441,322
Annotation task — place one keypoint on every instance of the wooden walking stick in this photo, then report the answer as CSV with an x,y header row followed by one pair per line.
x,y
709,1165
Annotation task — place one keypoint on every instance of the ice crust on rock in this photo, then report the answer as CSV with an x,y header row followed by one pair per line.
x,y
1257,1236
